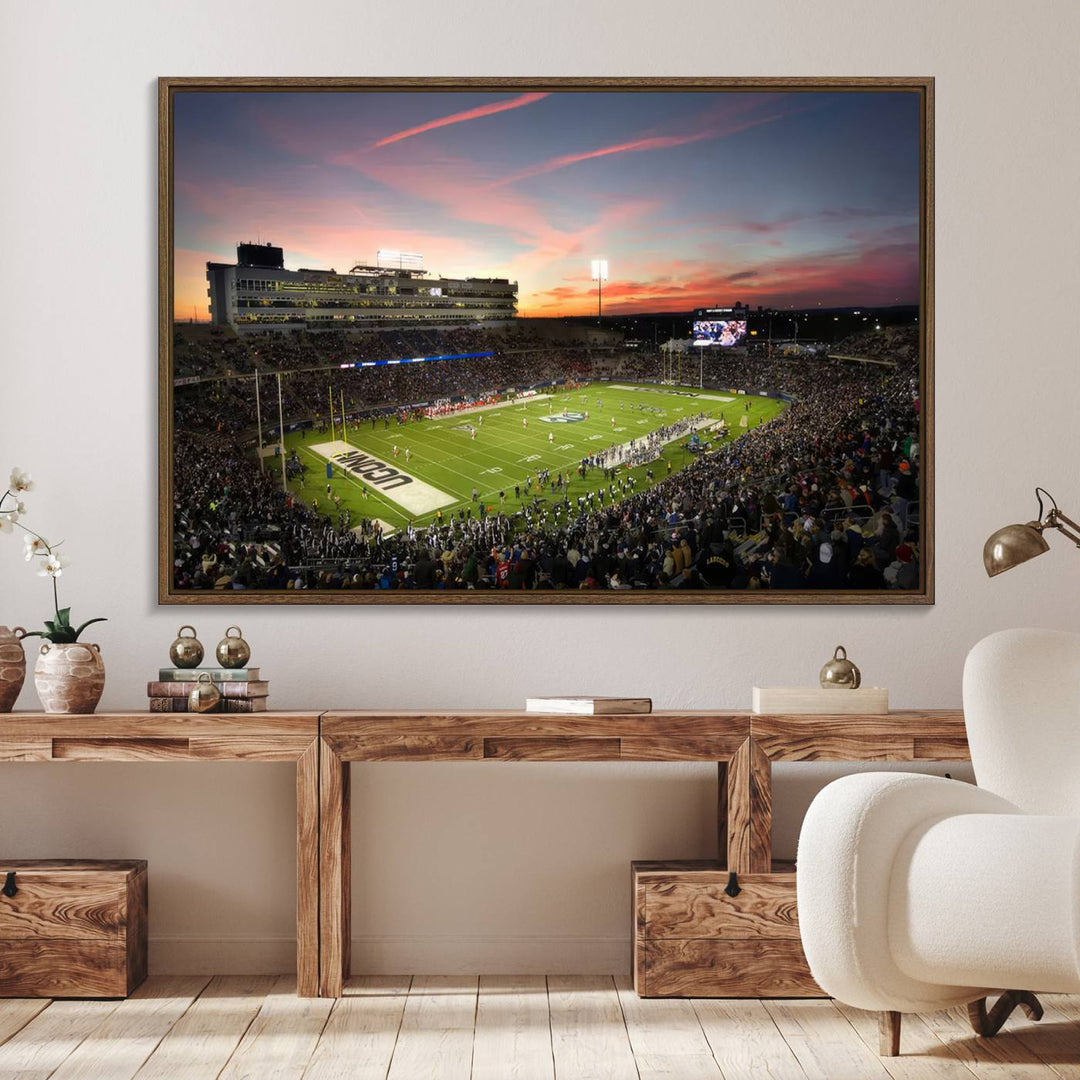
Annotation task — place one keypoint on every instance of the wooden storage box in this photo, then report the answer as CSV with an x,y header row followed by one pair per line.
x,y
72,928
691,939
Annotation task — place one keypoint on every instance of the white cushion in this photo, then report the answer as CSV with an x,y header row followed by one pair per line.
x,y
850,839
987,900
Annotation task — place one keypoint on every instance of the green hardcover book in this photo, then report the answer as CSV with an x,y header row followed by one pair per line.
x,y
218,674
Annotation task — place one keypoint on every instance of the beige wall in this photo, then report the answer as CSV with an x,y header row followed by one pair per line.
x,y
495,867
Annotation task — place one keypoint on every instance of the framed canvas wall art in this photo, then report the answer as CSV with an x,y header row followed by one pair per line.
x,y
546,341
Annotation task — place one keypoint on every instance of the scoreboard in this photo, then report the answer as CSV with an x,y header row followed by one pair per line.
x,y
720,326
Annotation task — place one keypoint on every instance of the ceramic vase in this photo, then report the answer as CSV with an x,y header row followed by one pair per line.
x,y
12,666
69,678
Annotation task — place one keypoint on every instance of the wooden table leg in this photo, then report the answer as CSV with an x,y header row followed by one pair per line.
x,y
307,872
749,810
760,810
722,813
334,872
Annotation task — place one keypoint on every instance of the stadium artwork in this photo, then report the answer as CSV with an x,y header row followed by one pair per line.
x,y
546,341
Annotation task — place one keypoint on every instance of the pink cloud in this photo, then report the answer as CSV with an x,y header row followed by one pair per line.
x,y
467,191
466,194
461,117
467,218
653,142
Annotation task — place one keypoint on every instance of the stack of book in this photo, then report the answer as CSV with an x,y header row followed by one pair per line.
x,y
241,689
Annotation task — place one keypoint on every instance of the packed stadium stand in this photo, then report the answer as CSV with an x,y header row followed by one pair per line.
x,y
823,496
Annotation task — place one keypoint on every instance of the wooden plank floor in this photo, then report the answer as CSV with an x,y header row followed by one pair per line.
x,y
524,1027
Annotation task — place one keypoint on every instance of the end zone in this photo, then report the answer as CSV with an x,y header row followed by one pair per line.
x,y
411,494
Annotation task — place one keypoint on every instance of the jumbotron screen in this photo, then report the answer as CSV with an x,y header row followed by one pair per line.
x,y
720,331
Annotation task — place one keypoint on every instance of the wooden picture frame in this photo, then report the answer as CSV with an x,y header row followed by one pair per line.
x,y
171,90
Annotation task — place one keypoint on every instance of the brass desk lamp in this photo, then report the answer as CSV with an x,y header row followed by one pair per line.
x,y
1014,544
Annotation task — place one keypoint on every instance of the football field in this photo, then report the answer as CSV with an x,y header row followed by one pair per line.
x,y
439,463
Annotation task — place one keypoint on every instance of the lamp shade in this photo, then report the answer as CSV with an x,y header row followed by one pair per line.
x,y
1012,545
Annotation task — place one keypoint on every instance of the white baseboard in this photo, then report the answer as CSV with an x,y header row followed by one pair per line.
x,y
430,954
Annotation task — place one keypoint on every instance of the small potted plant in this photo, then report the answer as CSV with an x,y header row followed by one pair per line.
x,y
69,674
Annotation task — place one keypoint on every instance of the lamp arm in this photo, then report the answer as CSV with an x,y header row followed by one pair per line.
x,y
1057,520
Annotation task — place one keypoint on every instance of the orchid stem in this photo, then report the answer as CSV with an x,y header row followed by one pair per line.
x,y
10,517
48,549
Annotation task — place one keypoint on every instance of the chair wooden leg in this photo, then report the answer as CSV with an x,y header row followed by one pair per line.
x,y
889,1033
988,1024
977,1015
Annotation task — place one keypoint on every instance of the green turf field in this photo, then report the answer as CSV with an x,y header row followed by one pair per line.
x,y
505,453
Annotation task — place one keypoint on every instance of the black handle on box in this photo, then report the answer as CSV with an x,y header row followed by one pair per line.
x,y
9,884
732,887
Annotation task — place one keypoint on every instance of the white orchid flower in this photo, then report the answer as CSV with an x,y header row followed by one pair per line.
x,y
7,520
34,545
20,481
53,566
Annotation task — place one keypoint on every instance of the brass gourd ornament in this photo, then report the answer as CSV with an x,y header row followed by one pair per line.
x,y
204,696
233,652
186,652
840,673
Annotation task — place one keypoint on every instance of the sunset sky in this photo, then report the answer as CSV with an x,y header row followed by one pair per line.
x,y
694,198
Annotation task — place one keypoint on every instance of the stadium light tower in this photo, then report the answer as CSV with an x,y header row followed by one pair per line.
x,y
599,275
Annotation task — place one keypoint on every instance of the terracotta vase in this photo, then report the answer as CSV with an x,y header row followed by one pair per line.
x,y
69,678
12,666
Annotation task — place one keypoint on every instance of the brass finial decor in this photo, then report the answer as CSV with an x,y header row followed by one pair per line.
x,y
233,652
1015,544
204,696
186,651
840,673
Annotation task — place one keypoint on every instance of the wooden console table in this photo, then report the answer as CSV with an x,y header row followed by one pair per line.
x,y
742,744
323,745
497,736
260,737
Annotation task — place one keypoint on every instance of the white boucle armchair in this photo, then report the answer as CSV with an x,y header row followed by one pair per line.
x,y
917,893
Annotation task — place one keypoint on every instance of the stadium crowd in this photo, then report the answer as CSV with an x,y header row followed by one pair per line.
x,y
823,496
211,395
